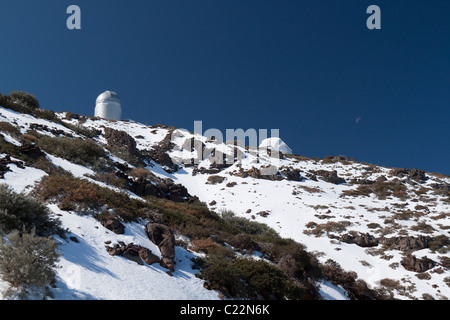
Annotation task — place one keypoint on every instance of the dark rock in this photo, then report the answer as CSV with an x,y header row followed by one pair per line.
x,y
412,174
215,179
407,243
122,140
159,153
74,239
5,162
411,263
207,285
163,237
330,176
148,257
256,174
363,240
31,150
160,188
134,253
263,214
114,224
292,174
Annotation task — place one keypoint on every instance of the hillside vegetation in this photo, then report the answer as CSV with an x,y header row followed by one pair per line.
x,y
102,197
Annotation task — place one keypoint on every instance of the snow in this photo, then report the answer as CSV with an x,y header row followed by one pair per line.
x,y
331,292
87,271
22,180
276,143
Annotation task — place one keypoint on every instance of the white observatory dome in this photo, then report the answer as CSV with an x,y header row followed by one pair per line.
x,y
108,106
277,144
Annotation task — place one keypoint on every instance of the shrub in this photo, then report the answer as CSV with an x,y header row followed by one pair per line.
x,y
81,130
439,244
84,152
87,197
25,99
140,173
423,227
18,211
10,129
356,288
203,245
123,153
247,226
382,190
27,263
328,228
247,278
110,179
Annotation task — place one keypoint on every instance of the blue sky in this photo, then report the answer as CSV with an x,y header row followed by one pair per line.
x,y
308,68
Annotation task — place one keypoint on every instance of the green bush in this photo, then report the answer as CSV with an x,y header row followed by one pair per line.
x,y
88,197
27,264
248,278
10,129
24,98
18,211
84,152
247,226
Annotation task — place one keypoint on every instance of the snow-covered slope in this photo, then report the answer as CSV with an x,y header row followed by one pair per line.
x,y
325,204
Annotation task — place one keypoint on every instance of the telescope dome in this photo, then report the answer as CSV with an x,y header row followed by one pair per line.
x,y
108,106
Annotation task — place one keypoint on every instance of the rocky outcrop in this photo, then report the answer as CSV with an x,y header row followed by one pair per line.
x,y
31,150
291,174
162,236
213,169
411,174
407,243
159,153
113,224
121,140
134,253
256,174
215,179
161,188
329,176
411,263
53,131
363,240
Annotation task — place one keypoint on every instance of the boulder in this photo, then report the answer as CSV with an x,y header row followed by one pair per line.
x,y
363,240
215,179
407,243
131,253
411,263
163,237
134,253
411,174
114,224
148,257
122,140
159,153
292,174
330,176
